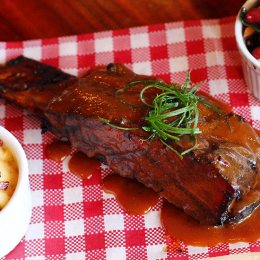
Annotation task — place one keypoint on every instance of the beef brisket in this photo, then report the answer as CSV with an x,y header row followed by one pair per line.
x,y
213,183
205,183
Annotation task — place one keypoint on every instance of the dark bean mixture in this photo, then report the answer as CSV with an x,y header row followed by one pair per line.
x,y
251,30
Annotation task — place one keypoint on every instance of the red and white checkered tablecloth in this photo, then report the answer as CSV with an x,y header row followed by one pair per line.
x,y
74,219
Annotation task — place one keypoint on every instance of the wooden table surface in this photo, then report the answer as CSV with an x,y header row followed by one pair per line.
x,y
35,19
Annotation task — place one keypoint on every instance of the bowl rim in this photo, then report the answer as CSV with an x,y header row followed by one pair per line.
x,y
239,37
12,143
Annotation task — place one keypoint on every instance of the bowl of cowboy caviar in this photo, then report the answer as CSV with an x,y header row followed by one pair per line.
x,y
247,33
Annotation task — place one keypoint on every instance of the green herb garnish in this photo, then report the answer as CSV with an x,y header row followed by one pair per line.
x,y
173,112
242,17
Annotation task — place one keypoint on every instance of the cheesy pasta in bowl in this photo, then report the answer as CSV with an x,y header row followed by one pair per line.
x,y
8,174
15,196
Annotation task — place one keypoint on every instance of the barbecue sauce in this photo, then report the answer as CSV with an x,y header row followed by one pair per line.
x,y
184,228
58,150
257,132
79,164
132,196
222,104
137,199
83,166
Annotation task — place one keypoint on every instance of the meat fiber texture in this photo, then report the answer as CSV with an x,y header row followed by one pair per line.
x,y
216,182
206,183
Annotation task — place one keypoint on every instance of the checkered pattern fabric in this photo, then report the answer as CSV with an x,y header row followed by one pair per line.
x,y
74,219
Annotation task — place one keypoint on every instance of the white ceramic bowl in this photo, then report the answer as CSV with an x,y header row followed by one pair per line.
x,y
250,65
15,216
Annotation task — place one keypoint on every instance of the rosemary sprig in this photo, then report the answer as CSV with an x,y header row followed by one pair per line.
x,y
172,113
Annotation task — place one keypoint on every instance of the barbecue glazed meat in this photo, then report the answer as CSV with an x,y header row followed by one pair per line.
x,y
214,182
32,84
206,183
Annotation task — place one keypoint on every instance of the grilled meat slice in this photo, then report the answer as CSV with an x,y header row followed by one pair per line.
x,y
214,183
32,84
206,183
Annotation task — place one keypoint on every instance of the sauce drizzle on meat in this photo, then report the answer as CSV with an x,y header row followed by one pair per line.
x,y
222,104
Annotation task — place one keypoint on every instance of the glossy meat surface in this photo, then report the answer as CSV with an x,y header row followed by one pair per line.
x,y
32,84
205,183
214,183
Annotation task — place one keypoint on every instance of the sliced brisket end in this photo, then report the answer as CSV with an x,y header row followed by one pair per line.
x,y
205,183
